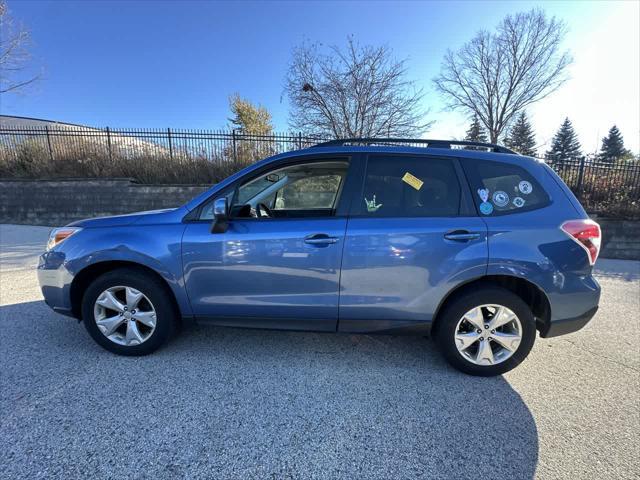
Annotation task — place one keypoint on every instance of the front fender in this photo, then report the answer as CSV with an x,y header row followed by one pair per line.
x,y
157,247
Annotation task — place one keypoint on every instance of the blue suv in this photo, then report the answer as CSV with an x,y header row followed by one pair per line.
x,y
469,243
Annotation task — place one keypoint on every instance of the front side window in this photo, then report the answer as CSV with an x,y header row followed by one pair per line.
x,y
313,192
308,189
406,186
502,188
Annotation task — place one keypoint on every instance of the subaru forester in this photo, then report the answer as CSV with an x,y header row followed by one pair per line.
x,y
471,244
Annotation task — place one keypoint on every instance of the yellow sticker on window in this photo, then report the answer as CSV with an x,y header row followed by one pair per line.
x,y
413,181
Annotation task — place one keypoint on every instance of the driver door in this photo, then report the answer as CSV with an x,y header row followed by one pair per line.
x,y
278,263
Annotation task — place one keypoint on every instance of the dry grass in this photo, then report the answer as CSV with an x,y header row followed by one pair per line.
x,y
32,159
613,196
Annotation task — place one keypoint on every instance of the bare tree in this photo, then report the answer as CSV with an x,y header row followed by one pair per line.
x,y
14,53
497,75
359,91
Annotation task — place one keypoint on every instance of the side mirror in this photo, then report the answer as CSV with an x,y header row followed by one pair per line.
x,y
220,216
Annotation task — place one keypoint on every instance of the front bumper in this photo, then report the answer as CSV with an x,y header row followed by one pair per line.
x,y
55,282
569,325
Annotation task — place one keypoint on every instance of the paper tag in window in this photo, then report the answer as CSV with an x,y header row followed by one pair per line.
x,y
413,181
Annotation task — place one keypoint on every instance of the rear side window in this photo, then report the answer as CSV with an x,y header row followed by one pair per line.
x,y
406,186
502,188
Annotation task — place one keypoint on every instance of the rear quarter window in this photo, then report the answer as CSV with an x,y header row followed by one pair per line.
x,y
503,188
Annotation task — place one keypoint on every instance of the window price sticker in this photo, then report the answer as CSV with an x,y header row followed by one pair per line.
x,y
415,182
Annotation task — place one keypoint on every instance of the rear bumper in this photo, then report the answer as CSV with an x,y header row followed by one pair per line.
x,y
573,301
569,325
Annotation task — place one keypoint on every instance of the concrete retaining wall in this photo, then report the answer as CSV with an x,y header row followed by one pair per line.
x,y
62,201
620,238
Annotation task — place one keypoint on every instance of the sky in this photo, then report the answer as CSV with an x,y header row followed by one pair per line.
x,y
175,63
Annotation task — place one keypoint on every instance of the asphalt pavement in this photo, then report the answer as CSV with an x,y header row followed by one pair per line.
x,y
243,404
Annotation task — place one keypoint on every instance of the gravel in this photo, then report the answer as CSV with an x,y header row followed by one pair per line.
x,y
231,403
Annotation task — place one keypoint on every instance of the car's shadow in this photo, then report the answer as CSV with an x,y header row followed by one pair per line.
x,y
250,403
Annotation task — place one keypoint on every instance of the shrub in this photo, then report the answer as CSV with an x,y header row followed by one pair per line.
x,y
84,158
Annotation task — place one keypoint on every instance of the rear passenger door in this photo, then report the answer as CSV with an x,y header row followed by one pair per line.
x,y
412,235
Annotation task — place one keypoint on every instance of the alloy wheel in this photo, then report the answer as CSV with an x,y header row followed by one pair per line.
x,y
488,334
125,315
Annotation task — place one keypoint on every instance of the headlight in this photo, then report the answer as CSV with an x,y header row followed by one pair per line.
x,y
59,235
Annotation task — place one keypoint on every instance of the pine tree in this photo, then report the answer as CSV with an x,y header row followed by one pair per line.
x,y
476,132
250,118
521,137
613,146
565,144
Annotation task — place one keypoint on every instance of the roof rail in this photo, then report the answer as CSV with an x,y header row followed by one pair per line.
x,y
429,143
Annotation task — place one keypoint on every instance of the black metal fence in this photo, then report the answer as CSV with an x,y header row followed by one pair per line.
x,y
205,156
60,141
604,187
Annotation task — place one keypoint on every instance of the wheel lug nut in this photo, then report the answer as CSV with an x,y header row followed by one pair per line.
x,y
479,331
493,331
486,327
489,338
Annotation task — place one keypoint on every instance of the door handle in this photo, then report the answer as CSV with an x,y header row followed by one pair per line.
x,y
461,235
320,239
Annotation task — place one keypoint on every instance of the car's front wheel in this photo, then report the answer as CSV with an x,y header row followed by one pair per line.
x,y
486,332
128,312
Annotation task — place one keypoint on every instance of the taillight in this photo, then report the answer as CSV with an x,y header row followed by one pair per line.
x,y
585,233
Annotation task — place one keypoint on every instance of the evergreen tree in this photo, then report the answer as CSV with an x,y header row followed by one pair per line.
x,y
565,144
476,132
613,146
250,118
521,137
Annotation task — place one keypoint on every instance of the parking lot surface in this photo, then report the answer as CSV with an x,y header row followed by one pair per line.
x,y
231,403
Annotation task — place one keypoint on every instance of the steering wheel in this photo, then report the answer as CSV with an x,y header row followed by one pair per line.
x,y
263,211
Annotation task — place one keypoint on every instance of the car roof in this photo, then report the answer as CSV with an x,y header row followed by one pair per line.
x,y
404,150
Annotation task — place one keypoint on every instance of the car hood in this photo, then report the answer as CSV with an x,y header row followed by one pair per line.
x,y
151,216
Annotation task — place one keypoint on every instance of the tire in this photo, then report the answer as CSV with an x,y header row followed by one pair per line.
x,y
479,306
154,307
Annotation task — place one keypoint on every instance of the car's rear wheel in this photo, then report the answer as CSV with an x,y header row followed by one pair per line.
x,y
486,332
128,312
